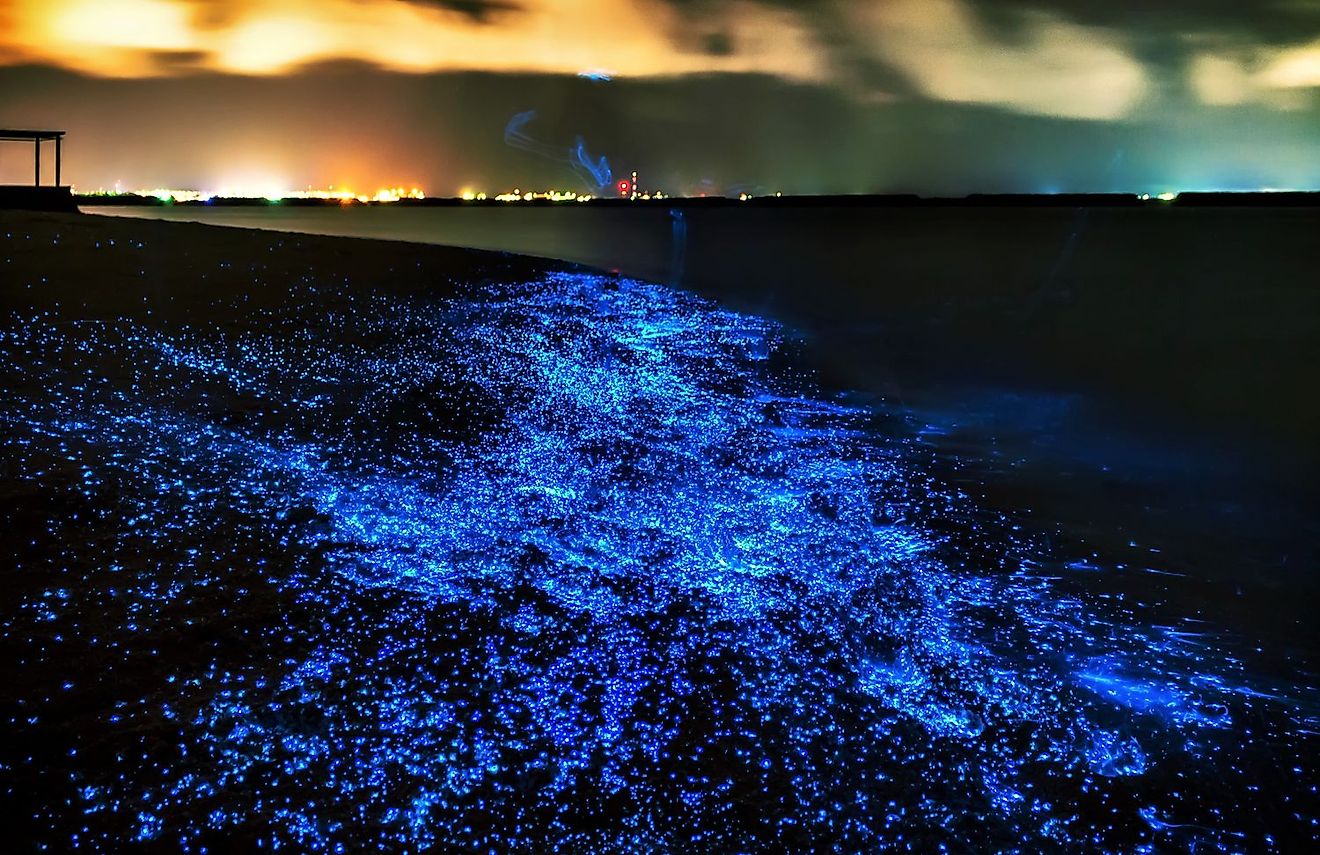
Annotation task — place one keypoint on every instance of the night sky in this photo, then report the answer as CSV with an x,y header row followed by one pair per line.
x,y
718,96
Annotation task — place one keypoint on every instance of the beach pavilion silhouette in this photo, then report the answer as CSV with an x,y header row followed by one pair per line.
x,y
54,197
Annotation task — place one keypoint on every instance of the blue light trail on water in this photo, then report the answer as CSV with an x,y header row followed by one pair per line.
x,y
678,258
581,562
594,172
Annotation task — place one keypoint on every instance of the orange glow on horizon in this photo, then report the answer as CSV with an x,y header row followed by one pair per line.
x,y
271,192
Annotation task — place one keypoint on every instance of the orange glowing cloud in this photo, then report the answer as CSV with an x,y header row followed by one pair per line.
x,y
118,37
134,38
1051,66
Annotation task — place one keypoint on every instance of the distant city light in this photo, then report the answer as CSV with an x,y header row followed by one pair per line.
x,y
168,195
519,195
175,195
395,194
626,189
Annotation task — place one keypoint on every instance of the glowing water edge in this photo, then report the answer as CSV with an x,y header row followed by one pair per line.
x,y
581,563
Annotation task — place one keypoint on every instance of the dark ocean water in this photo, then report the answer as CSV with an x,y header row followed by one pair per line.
x,y
850,532
1130,375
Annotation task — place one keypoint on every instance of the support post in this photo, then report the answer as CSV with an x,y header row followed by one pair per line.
x,y
36,149
57,161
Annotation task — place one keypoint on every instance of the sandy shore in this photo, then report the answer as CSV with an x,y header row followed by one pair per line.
x,y
97,268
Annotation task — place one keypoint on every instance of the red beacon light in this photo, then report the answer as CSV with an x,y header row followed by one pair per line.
x,y
624,188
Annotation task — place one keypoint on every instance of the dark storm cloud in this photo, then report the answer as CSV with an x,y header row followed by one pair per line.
x,y
703,26
1274,21
1166,35
1270,21
481,11
179,60
718,44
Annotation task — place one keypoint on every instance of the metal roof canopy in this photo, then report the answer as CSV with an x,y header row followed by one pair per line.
x,y
36,138
10,134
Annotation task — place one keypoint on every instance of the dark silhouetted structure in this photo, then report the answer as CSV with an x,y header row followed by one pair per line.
x,y
36,138
37,197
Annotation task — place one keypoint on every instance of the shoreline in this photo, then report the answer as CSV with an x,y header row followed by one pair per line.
x,y
1195,318
298,248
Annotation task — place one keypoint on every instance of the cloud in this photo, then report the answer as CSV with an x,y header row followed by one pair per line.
x,y
477,10
632,37
1078,59
1281,77
1220,81
1003,53
1254,21
1293,68
1052,67
1027,55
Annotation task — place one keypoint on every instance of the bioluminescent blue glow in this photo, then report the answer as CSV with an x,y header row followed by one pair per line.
x,y
594,172
678,259
581,563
